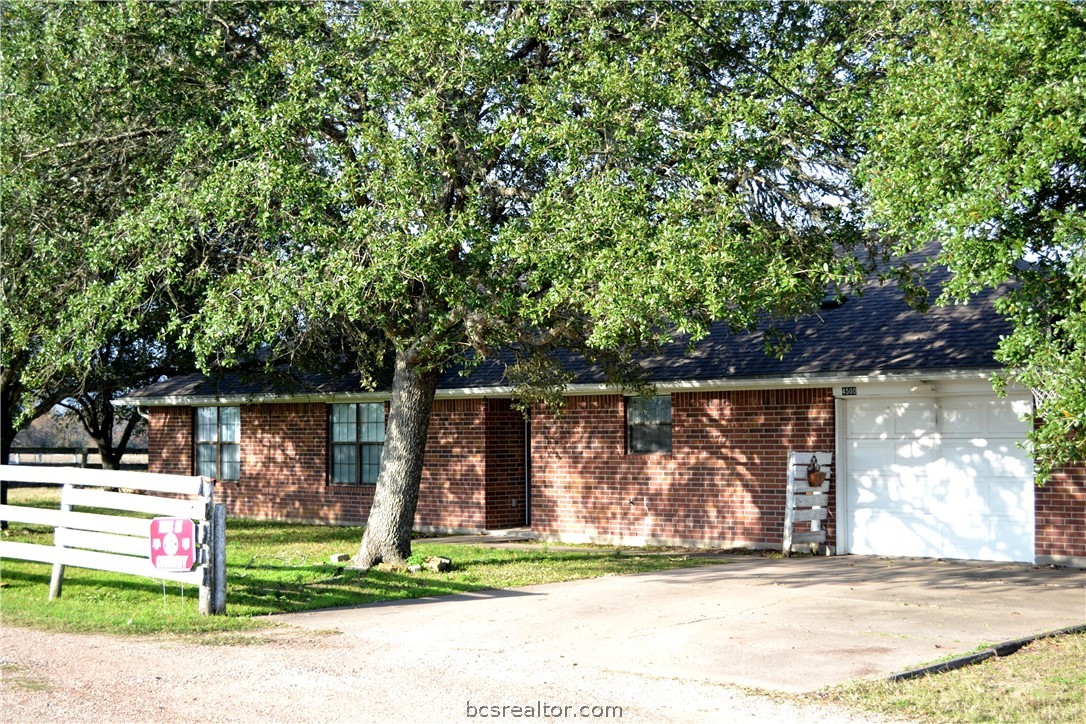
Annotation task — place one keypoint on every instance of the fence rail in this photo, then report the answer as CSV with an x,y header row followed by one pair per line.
x,y
122,543
78,457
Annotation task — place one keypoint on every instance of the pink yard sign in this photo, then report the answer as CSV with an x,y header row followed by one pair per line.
x,y
173,544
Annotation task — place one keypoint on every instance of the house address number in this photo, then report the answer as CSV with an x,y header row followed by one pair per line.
x,y
848,392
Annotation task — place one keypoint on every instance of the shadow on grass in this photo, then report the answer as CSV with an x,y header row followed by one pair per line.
x,y
345,590
260,532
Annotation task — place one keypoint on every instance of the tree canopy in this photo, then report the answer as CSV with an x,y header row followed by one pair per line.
x,y
975,140
95,100
433,182
409,187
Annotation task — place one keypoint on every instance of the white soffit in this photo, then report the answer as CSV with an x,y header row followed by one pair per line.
x,y
845,385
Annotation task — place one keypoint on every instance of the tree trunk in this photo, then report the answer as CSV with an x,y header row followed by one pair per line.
x,y
388,531
109,455
99,420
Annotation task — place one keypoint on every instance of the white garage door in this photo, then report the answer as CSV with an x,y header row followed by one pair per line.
x,y
942,477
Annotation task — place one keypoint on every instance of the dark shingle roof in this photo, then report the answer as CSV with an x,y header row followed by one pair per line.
x,y
876,333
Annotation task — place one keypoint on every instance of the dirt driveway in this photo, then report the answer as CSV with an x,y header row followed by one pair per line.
x,y
667,646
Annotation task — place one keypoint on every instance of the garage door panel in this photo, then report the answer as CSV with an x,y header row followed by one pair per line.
x,y
982,458
871,462
1009,541
889,493
1011,502
969,459
870,419
988,538
965,418
1006,416
914,418
981,417
916,453
882,533
898,474
948,479
962,496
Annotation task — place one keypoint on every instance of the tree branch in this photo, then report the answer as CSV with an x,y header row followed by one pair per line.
x,y
101,140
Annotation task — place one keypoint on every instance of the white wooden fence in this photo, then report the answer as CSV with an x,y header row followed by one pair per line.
x,y
76,457
116,542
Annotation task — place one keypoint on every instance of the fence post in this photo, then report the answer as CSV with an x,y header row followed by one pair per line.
x,y
218,557
56,580
206,597
789,506
213,589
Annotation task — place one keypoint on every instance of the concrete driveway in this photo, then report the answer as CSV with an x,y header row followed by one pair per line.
x,y
790,625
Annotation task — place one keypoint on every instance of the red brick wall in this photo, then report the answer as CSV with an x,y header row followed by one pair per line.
x,y
505,493
722,484
169,440
284,465
1060,512
452,495
473,476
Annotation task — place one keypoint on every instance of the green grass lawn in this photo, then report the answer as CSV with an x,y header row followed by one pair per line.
x,y
1043,682
275,568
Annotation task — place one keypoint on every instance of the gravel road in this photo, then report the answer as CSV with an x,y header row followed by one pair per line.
x,y
292,675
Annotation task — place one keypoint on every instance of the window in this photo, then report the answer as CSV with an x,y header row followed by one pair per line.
x,y
218,437
358,434
648,422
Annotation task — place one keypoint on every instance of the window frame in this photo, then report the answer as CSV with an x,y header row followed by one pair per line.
x,y
656,422
366,428
218,443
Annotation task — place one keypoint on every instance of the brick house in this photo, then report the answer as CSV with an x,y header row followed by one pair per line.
x,y
927,459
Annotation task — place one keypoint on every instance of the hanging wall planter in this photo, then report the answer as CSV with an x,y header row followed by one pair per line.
x,y
815,476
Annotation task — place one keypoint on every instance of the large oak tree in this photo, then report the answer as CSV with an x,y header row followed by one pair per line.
x,y
431,183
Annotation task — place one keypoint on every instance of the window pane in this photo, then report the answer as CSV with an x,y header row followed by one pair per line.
x,y
207,424
344,423
231,462
663,438
662,411
650,438
649,424
206,459
343,463
373,422
644,410
229,424
371,463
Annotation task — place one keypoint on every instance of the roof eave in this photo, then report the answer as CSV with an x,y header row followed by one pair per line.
x,y
816,379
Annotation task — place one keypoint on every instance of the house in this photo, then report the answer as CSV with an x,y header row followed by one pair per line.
x,y
928,461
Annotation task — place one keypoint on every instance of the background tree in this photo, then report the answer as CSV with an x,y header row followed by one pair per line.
x,y
975,140
96,98
440,181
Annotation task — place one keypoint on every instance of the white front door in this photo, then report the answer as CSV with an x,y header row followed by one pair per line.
x,y
939,477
